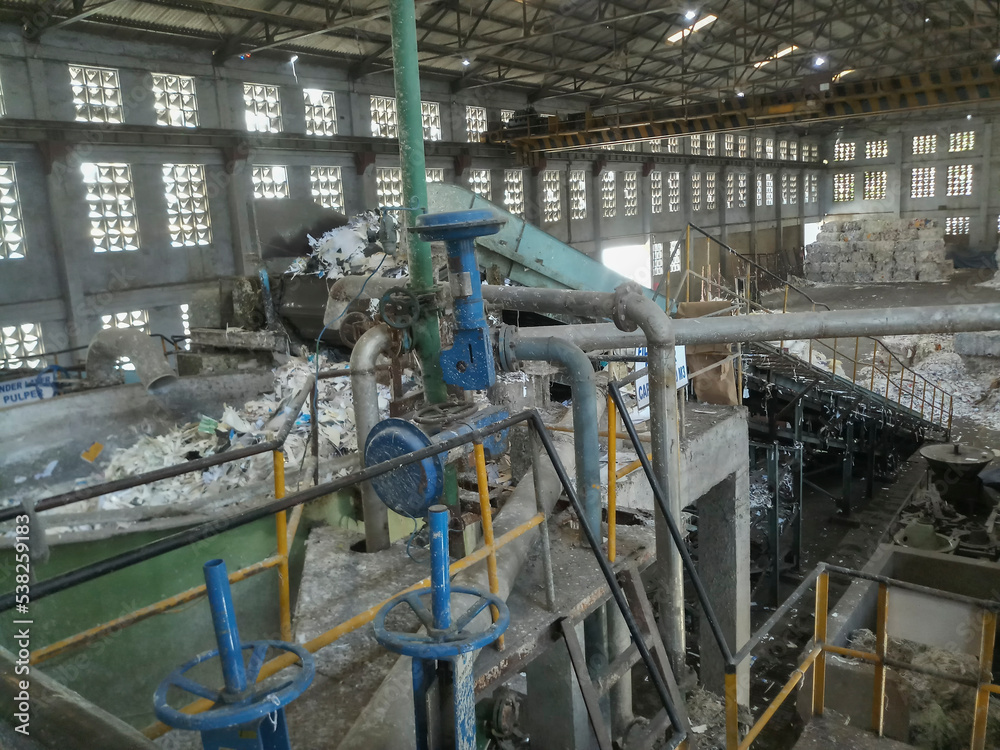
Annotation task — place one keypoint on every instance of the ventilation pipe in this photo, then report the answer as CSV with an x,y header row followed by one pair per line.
x,y
142,350
374,343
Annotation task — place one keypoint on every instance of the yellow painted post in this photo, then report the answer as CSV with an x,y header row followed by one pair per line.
x,y
951,409
486,514
871,387
902,376
612,480
819,636
857,344
732,713
923,398
913,390
687,269
942,405
881,642
986,645
281,528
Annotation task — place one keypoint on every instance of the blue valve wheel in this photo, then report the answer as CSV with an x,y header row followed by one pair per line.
x,y
441,644
229,711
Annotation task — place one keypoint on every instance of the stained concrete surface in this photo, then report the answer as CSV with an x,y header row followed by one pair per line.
x,y
831,733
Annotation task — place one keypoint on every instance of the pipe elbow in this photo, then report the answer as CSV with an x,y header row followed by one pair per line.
x,y
373,342
143,352
651,318
552,349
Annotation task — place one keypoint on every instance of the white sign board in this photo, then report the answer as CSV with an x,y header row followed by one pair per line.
x,y
642,384
30,388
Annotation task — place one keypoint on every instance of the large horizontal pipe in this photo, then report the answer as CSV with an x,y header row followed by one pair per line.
x,y
883,321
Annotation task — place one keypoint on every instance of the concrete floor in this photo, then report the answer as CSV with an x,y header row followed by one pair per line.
x,y
831,733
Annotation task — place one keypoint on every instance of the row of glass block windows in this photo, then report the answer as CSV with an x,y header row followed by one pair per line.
x,y
731,145
923,183
23,347
920,145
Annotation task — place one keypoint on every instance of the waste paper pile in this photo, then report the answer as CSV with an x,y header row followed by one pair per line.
x,y
348,250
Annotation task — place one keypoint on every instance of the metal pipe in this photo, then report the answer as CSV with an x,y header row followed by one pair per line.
x,y
374,343
440,575
111,344
220,600
281,532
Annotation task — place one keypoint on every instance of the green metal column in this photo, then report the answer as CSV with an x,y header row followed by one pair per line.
x,y
426,334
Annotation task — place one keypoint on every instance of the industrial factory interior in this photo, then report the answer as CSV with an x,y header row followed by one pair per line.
x,y
499,374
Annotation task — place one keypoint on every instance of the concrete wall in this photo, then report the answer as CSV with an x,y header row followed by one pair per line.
x,y
65,287
982,207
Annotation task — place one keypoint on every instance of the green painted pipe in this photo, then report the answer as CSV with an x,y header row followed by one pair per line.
x,y
426,334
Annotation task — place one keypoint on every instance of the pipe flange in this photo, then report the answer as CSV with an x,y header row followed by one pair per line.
x,y
506,357
618,314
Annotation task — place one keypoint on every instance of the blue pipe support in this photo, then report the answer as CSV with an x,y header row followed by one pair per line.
x,y
220,600
437,517
469,362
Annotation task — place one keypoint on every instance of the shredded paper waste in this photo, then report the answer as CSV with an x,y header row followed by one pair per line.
x,y
348,250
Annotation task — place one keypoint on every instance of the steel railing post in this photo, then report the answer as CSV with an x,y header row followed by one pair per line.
x,y
819,636
486,516
281,529
986,646
881,642
732,710
612,478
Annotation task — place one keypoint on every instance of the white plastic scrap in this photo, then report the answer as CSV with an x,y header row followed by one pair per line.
x,y
341,251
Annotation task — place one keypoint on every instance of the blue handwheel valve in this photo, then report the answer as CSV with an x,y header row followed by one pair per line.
x,y
447,641
246,715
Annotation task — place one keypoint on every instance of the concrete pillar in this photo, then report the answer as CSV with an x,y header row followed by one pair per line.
x,y
239,195
557,716
985,222
724,567
597,208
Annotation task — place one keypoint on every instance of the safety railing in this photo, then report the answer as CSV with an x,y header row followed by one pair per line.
x,y
283,503
896,382
815,659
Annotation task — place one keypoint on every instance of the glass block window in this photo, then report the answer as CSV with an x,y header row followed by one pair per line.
x,y
327,187
875,184
965,141
769,189
710,191
389,186
630,193
783,150
695,142
475,123
97,95
656,147
11,224
188,220
758,148
673,145
877,149
924,144
956,225
741,189
814,152
129,319
263,108
959,180
730,190
673,192
513,191
578,194
656,191
384,122
270,181
769,148
793,151
185,311
111,207
434,174
551,196
760,190
696,191
609,195
793,189
430,118
321,112
784,190
844,151
922,182
175,100
630,147
729,144
743,146
656,259
506,115
811,193
480,183
710,144
843,187
675,256
22,346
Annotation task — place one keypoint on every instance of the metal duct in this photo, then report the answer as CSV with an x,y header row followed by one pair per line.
x,y
142,350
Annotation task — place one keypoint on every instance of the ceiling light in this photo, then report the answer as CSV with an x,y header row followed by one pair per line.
x,y
696,26
294,59
740,94
820,61
776,56
690,15
968,117
466,62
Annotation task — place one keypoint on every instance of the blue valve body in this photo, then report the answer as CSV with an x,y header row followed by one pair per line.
x,y
469,362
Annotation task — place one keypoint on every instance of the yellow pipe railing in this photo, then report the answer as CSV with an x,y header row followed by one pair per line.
x,y
612,478
281,529
486,518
